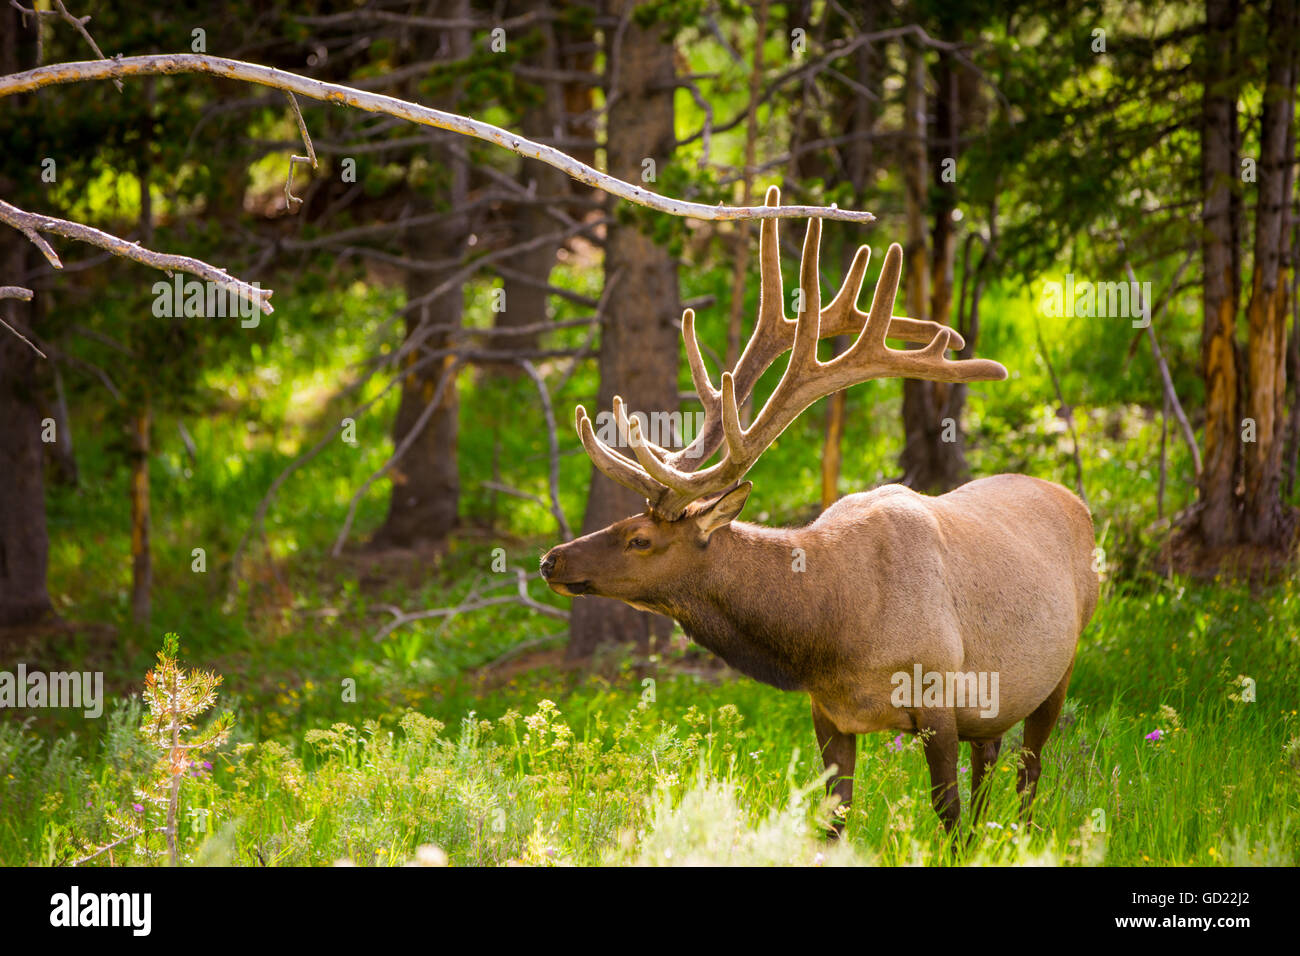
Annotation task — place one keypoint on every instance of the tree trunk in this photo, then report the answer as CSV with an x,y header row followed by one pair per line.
x,y
1266,519
929,462
1218,520
860,163
525,287
24,545
639,334
423,505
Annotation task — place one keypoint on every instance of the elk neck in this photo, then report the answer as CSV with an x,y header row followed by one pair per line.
x,y
748,601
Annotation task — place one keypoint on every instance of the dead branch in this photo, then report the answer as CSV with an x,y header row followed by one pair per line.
x,y
77,23
430,23
1066,413
32,225
417,429
473,603
291,201
17,292
1171,396
553,446
174,63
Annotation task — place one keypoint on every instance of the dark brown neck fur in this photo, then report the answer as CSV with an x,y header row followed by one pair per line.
x,y
750,607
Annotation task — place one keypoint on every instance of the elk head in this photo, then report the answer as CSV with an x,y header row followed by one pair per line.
x,y
635,559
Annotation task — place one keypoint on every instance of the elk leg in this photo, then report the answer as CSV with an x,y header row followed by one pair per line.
x,y
939,728
983,754
1038,727
839,750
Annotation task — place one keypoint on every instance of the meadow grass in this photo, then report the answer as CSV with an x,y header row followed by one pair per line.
x,y
347,748
562,768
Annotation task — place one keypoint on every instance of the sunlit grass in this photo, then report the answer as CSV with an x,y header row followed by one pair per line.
x,y
325,766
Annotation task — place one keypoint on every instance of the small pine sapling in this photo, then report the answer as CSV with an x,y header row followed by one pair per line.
x,y
175,697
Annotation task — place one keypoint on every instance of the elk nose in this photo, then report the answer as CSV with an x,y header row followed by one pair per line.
x,y
548,565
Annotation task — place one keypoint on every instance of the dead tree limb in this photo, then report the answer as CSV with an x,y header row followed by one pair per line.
x,y
77,23
17,292
553,447
1171,396
32,225
473,603
175,63
292,202
448,376
1067,413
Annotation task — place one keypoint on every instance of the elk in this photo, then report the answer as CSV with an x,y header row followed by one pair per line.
x,y
994,578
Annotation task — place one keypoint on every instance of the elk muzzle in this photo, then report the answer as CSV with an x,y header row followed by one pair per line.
x,y
553,571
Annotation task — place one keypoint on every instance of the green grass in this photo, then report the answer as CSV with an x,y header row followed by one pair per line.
x,y
693,769
690,768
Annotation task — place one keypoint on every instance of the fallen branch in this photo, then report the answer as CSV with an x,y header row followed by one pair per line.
x,y
474,603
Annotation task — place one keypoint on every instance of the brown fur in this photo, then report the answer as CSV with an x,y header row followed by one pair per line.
x,y
995,576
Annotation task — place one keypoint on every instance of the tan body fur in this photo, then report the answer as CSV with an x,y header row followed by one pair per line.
x,y
995,576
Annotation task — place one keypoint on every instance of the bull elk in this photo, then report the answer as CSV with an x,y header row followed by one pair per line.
x,y
993,579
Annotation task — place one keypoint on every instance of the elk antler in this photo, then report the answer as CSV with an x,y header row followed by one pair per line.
x,y
667,478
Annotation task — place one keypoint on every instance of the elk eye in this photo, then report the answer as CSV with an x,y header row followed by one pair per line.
x,y
639,544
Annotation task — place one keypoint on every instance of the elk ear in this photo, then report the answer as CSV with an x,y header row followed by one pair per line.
x,y
724,510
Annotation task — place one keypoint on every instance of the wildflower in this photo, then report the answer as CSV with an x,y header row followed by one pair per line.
x,y
137,807
896,745
1154,735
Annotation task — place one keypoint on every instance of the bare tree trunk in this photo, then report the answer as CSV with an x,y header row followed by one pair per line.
x,y
929,462
1292,447
639,335
423,505
1267,522
1219,517
740,253
24,544
524,288
861,166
